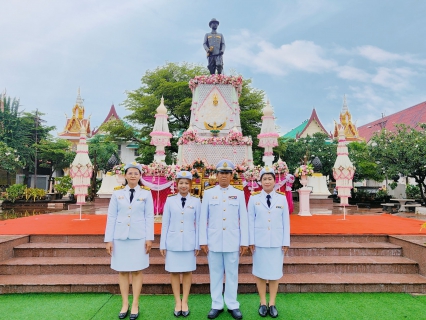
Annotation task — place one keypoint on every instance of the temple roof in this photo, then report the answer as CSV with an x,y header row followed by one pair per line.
x,y
112,115
307,127
411,117
349,129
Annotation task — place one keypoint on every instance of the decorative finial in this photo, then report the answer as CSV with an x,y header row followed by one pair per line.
x,y
162,108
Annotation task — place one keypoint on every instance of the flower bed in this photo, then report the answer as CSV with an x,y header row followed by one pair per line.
x,y
235,81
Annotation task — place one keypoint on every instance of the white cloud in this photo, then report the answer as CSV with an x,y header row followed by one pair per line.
x,y
381,56
395,79
264,57
352,73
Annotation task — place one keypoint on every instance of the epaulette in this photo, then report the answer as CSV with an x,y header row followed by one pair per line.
x,y
195,195
209,187
172,194
255,193
119,187
239,187
146,188
280,192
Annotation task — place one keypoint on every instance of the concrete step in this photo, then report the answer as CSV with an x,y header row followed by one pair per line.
x,y
72,249
160,284
292,265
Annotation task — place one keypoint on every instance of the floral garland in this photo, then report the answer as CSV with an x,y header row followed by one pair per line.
x,y
157,169
171,172
304,169
233,138
117,169
235,81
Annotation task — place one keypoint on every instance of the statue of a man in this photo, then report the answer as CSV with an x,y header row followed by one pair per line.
x,y
214,44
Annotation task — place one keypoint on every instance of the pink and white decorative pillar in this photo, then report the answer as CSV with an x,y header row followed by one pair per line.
x,y
160,135
268,137
343,170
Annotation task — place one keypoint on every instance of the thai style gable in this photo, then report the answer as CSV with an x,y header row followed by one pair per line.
x,y
112,115
308,127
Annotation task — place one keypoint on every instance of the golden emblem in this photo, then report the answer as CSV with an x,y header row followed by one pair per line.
x,y
215,100
225,165
184,174
214,126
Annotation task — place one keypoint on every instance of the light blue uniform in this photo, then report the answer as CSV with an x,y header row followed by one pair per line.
x,y
269,232
128,226
179,232
224,228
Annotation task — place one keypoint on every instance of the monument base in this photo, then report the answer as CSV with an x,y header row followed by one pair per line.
x,y
321,206
318,183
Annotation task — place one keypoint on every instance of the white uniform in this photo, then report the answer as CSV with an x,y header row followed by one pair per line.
x,y
224,228
128,226
269,232
179,232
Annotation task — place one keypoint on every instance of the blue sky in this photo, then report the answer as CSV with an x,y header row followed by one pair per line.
x,y
303,54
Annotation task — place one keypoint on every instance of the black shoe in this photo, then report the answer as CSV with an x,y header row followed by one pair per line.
x,y
177,313
214,313
185,313
273,312
236,313
134,316
123,315
263,310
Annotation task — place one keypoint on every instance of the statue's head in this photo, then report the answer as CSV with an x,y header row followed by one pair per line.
x,y
213,24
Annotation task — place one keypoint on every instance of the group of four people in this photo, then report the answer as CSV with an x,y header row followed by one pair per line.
x,y
222,226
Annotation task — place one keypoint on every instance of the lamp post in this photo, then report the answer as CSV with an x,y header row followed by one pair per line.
x,y
35,155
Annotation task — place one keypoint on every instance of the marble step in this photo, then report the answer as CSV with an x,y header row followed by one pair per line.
x,y
67,249
160,283
292,265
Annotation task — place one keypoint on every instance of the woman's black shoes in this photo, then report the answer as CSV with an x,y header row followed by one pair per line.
x,y
185,313
177,313
134,316
123,315
273,312
263,310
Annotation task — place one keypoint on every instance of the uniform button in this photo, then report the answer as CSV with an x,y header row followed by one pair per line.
x,y
181,221
182,212
269,212
130,207
224,200
128,224
224,228
269,220
269,228
129,215
181,230
224,209
224,219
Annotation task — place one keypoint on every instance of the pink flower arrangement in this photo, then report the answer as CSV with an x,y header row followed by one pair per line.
x,y
252,174
117,169
235,81
171,172
280,167
157,169
304,169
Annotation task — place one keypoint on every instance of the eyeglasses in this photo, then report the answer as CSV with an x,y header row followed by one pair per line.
x,y
132,174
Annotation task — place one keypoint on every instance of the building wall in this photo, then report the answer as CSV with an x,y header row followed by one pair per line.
x,y
126,154
313,128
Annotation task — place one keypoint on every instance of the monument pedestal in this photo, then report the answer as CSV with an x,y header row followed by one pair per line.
x,y
318,183
107,187
304,208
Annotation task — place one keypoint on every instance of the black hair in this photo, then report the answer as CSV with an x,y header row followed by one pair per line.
x,y
271,173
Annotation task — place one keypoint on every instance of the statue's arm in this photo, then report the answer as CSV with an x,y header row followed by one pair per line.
x,y
222,45
206,43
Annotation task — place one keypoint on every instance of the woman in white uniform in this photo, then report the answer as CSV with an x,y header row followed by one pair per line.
x,y
129,234
269,227
179,239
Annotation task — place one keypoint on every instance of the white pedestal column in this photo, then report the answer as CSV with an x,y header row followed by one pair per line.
x,y
304,208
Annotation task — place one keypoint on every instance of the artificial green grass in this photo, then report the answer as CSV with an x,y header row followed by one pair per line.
x,y
304,306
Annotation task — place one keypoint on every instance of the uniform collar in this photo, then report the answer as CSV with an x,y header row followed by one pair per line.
x,y
264,194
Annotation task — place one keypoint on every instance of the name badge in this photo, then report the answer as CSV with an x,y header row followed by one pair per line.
x,y
190,207
279,207
257,203
140,199
120,197
233,197
214,197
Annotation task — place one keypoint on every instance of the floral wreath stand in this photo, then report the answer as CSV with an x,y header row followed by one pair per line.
x,y
304,206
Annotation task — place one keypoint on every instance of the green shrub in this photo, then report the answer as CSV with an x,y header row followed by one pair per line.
x,y
412,191
64,185
15,192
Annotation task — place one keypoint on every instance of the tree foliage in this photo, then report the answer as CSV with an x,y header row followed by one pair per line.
x,y
294,152
362,159
55,154
402,152
10,160
171,82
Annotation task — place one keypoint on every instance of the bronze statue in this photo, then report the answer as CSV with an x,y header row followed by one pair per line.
x,y
214,44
